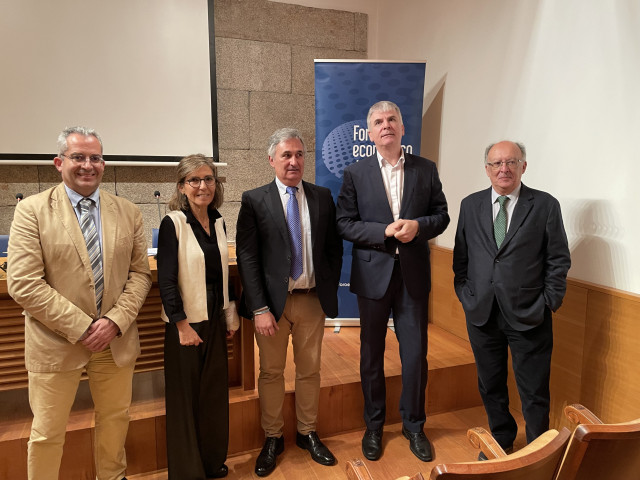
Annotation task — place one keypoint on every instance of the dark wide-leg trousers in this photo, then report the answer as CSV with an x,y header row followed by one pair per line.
x,y
197,398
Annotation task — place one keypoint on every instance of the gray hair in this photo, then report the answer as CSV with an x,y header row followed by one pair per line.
x,y
383,106
188,165
520,145
282,135
84,131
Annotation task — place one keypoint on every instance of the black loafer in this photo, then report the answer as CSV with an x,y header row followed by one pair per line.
x,y
266,462
419,444
222,472
319,452
372,444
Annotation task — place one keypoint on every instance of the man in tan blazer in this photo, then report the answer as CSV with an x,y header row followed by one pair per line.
x,y
79,311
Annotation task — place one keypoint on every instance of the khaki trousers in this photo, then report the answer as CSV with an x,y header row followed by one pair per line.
x,y
51,395
303,318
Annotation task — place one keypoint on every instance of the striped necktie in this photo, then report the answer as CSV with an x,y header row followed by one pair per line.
x,y
500,223
295,233
90,233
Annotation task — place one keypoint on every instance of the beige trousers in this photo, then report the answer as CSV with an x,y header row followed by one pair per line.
x,y
51,395
303,319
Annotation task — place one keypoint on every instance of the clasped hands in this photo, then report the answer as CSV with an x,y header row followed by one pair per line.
x,y
403,230
99,334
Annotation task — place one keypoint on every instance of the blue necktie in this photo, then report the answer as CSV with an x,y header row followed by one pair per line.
x,y
90,233
295,233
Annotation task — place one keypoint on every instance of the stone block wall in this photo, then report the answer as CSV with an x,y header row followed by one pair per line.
x,y
264,64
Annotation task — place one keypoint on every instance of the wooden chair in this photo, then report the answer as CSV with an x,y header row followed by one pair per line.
x,y
539,460
595,451
357,470
601,451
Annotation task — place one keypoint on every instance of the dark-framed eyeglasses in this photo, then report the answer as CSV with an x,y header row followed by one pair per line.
x,y
195,182
79,159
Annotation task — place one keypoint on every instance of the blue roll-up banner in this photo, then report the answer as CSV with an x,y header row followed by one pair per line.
x,y
345,89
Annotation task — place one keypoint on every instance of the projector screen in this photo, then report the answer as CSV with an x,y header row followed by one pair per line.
x,y
138,71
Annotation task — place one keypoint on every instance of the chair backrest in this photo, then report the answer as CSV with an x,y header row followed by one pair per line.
x,y
4,244
539,460
603,452
154,237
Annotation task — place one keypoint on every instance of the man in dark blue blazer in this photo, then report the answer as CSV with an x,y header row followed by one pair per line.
x,y
289,258
510,260
389,206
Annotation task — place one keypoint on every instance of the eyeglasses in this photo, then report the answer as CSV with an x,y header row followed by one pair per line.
x,y
511,164
195,181
79,159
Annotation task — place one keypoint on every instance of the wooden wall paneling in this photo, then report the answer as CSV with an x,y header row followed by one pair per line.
x,y
568,350
140,446
77,457
611,362
452,388
330,413
352,406
161,441
446,310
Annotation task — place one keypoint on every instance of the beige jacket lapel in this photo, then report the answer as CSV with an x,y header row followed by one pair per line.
x,y
62,207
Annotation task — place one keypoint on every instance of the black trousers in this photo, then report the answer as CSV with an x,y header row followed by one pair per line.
x,y
410,316
531,359
197,398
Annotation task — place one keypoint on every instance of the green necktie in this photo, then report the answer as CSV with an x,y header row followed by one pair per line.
x,y
500,224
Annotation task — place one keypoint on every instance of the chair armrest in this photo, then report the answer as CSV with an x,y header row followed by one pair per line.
x,y
480,438
357,470
580,414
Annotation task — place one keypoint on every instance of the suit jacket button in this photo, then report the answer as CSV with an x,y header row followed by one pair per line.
x,y
286,280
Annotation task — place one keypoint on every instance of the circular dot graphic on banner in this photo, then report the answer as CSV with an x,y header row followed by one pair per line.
x,y
337,148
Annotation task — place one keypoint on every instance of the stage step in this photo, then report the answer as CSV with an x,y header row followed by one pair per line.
x,y
452,387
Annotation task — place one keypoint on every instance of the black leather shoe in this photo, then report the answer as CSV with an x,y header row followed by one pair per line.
x,y
222,472
419,444
372,444
319,452
266,461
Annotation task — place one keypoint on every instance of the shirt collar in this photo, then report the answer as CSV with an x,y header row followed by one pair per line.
x,y
282,188
382,162
512,196
75,197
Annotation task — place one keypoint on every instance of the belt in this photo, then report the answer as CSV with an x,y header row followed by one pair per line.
x,y
302,290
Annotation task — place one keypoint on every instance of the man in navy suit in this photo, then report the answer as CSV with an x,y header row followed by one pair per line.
x,y
389,206
510,261
289,258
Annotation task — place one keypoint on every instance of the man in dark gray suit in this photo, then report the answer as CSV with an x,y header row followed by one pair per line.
x,y
389,206
510,261
289,258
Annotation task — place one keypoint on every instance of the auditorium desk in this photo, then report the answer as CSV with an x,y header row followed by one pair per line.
x,y
14,376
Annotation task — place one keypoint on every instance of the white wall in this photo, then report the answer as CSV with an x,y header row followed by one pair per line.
x,y
563,76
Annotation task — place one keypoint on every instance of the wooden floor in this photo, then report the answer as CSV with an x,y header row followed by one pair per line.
x,y
341,357
446,431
